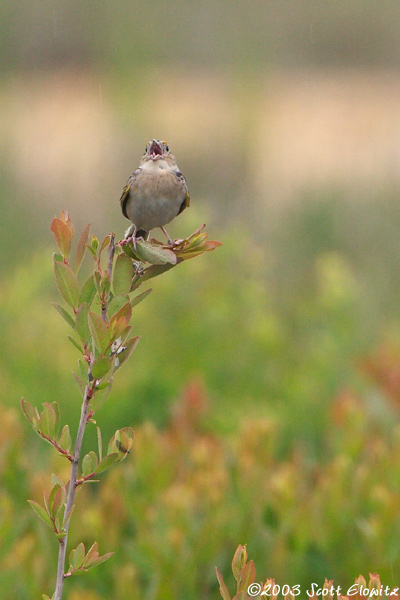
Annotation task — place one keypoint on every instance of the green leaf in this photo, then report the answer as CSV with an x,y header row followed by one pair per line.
x,y
56,499
106,463
100,560
125,311
76,556
80,251
67,283
97,281
238,561
129,348
103,384
30,413
117,303
223,590
58,257
140,297
99,442
156,270
65,315
41,512
100,395
101,366
105,243
62,235
88,292
55,479
75,343
99,332
94,243
123,273
121,441
65,440
155,255
89,463
82,326
49,419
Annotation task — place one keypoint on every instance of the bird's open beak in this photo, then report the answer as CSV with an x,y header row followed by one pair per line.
x,y
155,150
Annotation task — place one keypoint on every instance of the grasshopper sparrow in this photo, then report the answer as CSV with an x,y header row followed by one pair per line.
x,y
155,193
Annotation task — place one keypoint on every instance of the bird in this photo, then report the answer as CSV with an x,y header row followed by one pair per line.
x,y
155,193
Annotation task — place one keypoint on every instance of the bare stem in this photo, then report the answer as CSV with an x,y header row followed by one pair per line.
x,y
71,492
73,482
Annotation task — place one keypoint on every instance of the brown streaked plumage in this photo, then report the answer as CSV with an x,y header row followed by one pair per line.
x,y
155,193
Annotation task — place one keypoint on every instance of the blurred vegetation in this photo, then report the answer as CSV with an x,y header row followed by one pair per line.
x,y
284,119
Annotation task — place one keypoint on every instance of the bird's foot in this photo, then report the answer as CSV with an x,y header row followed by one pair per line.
x,y
169,241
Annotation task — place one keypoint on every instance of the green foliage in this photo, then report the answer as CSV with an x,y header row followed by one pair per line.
x,y
186,496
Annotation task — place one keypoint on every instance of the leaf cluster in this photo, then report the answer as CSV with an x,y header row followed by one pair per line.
x,y
244,572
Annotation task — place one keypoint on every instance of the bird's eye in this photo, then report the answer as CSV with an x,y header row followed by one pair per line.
x,y
167,148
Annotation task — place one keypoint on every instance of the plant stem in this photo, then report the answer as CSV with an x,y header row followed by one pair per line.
x,y
71,492
62,550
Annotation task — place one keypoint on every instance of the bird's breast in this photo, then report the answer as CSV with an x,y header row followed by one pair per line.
x,y
155,197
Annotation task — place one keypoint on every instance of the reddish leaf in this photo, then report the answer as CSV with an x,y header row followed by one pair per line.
x,y
223,590
65,218
247,576
63,236
101,559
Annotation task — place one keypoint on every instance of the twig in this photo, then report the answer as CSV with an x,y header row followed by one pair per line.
x,y
73,482
71,491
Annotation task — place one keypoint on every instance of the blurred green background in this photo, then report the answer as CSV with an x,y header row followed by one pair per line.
x,y
265,389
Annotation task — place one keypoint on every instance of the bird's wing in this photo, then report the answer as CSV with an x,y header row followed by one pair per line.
x,y
124,199
126,192
186,201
